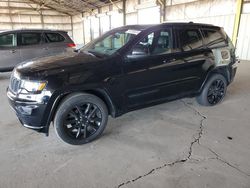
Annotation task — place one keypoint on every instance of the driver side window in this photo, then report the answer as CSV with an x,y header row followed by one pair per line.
x,y
157,42
142,48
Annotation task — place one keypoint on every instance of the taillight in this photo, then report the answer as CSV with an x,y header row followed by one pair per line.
x,y
71,45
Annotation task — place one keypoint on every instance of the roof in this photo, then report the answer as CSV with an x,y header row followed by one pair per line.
x,y
73,7
30,30
143,27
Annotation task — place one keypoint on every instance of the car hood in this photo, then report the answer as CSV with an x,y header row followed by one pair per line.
x,y
64,62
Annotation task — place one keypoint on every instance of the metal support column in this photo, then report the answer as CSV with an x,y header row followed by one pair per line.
x,y
237,20
42,20
124,11
162,4
83,28
99,21
72,27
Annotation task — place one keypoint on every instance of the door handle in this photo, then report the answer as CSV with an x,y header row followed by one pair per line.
x,y
169,60
111,81
46,48
13,51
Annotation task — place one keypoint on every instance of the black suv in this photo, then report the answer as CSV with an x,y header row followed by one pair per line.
x,y
127,68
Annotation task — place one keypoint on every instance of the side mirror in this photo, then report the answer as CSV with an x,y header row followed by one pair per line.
x,y
76,50
139,51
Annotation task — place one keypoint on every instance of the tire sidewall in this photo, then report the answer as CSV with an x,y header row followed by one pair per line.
x,y
67,105
202,99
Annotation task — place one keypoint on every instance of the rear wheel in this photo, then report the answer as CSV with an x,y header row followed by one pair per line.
x,y
80,118
214,91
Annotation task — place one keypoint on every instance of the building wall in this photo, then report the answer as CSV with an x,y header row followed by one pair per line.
x,y
243,40
110,16
217,12
21,15
148,12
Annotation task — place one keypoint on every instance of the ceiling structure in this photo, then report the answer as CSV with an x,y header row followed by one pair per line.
x,y
70,7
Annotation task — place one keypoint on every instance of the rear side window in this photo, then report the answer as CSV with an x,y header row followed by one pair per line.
x,y
54,37
26,39
190,39
214,38
8,40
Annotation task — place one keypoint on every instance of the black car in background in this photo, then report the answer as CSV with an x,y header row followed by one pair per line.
x,y
17,46
127,68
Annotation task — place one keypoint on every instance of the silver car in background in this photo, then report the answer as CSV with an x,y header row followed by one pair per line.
x,y
17,46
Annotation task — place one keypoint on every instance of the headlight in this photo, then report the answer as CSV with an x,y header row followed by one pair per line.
x,y
33,86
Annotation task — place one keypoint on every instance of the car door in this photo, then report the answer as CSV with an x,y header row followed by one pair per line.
x,y
32,45
196,57
155,70
9,52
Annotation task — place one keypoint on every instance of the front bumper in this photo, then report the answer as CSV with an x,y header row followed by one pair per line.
x,y
29,108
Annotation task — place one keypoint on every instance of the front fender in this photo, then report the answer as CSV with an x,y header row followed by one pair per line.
x,y
58,96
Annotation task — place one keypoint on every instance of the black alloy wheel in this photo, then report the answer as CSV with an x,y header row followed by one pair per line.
x,y
82,121
213,91
216,92
80,118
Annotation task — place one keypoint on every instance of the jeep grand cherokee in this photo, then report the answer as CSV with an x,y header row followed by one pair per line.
x,y
127,68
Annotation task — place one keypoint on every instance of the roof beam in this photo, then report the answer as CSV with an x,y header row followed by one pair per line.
x,y
86,2
45,5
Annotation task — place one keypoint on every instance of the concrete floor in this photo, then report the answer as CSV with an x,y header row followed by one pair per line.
x,y
177,144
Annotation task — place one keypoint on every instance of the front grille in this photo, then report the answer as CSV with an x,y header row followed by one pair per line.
x,y
15,84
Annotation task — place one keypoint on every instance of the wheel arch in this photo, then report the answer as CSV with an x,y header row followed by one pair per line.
x,y
101,93
223,70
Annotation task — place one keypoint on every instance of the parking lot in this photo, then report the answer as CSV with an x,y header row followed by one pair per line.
x,y
176,144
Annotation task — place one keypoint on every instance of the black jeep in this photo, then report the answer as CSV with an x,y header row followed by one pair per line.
x,y
127,68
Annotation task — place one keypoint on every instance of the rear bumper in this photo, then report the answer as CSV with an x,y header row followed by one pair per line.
x,y
232,71
29,113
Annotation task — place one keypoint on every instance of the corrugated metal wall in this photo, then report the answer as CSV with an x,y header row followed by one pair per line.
x,y
226,21
243,40
19,15
217,12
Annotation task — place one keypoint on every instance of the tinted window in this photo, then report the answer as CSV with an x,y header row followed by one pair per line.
x,y
54,37
143,47
158,42
213,38
190,39
162,43
7,40
113,42
30,39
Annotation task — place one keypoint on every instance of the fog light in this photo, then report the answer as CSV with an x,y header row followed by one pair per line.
x,y
26,110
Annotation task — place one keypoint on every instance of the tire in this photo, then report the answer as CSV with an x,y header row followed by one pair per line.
x,y
80,118
213,91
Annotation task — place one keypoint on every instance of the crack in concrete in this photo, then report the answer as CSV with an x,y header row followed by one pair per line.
x,y
217,157
196,140
203,118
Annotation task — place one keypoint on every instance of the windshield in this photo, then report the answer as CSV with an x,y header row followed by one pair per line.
x,y
111,42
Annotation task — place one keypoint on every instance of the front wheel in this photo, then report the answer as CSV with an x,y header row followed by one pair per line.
x,y
80,118
213,91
